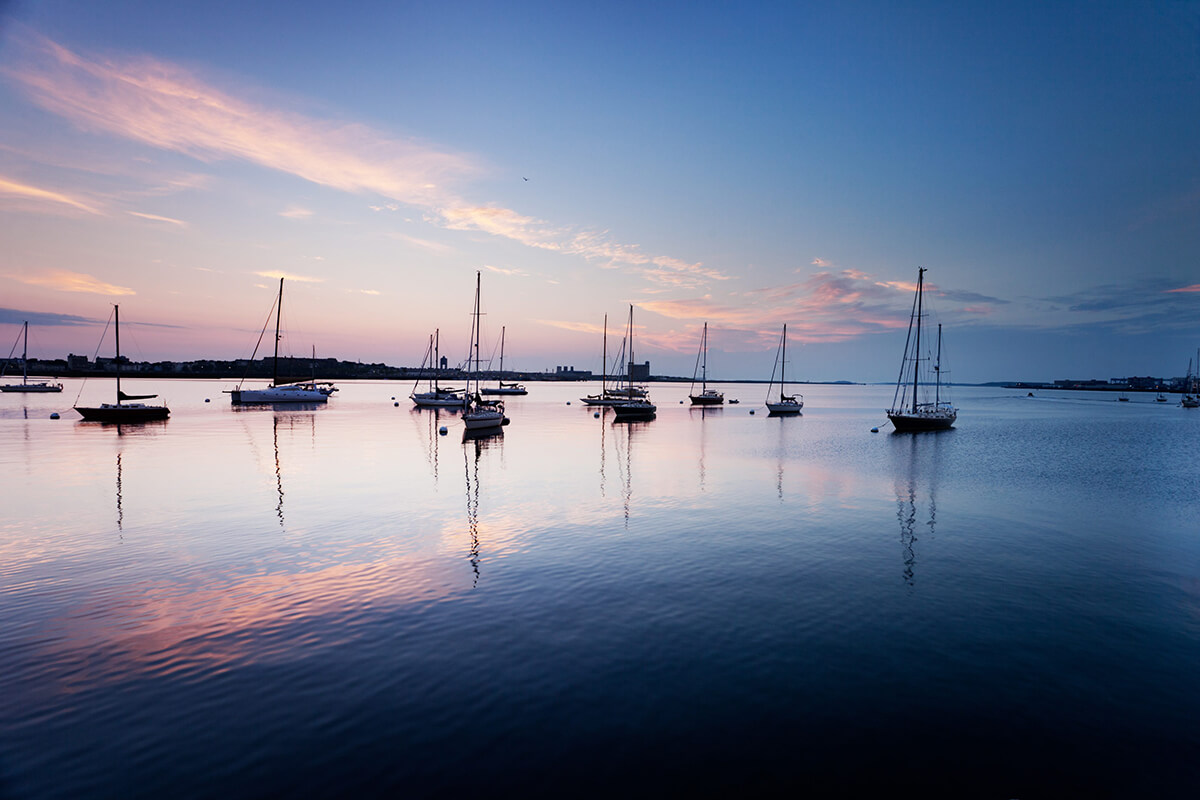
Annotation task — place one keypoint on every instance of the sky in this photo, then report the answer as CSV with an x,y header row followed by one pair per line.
x,y
748,165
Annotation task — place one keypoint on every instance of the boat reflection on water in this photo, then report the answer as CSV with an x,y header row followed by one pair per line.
x,y
429,421
627,433
916,463
285,408
474,447
278,470
120,510
703,412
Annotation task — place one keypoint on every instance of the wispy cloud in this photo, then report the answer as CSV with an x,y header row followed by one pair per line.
x,y
1195,287
517,273
65,281
157,218
166,106
289,276
12,188
424,244
825,307
579,327
372,292
296,212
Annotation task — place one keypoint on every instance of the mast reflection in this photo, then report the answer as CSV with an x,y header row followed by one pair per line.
x,y
278,470
120,510
916,469
432,419
473,448
626,434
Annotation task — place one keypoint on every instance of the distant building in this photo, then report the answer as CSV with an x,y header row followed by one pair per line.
x,y
640,372
77,362
572,374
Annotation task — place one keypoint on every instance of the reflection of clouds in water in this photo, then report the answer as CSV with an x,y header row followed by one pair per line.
x,y
160,627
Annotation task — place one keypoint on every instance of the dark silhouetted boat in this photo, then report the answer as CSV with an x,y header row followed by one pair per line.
x,y
504,388
126,409
707,396
479,415
633,408
25,385
785,404
1191,389
920,412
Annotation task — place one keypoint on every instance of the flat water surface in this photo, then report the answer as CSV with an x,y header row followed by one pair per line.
x,y
342,601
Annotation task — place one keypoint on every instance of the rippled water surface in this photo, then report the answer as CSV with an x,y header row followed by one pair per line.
x,y
341,601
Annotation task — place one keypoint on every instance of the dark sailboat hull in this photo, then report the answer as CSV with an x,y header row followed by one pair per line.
x,y
707,400
114,413
915,423
634,411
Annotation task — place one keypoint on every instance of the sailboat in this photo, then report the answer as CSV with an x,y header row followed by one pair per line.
x,y
1191,395
707,396
601,399
787,403
310,391
125,409
437,396
25,385
504,388
481,415
920,413
633,408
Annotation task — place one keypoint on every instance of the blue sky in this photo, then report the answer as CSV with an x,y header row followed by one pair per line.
x,y
747,165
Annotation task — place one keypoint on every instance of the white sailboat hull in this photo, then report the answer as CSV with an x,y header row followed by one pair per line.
x,y
438,400
292,393
785,407
483,420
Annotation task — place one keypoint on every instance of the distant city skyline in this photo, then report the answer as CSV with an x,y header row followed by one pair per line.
x,y
743,166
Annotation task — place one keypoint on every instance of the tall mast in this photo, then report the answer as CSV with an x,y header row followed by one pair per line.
x,y
501,352
604,358
117,328
630,374
937,371
25,356
475,325
704,362
437,363
783,364
278,314
917,351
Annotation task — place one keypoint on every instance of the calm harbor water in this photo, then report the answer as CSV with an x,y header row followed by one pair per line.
x,y
340,601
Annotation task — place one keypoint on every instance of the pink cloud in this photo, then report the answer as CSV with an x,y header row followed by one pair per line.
x,y
1195,287
25,191
65,281
166,106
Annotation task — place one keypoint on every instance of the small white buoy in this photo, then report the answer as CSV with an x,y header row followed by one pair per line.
x,y
397,405
752,411
874,430
207,400
442,430
596,415
54,415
